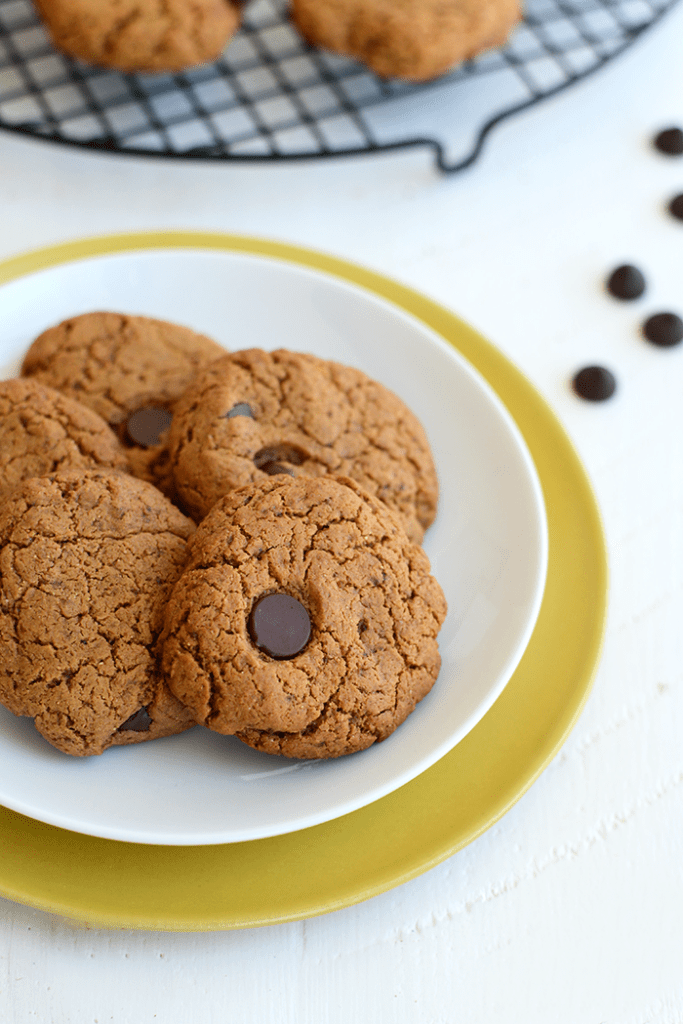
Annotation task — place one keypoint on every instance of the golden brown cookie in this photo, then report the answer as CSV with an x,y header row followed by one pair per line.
x,y
119,365
253,414
305,621
87,561
43,432
141,35
412,39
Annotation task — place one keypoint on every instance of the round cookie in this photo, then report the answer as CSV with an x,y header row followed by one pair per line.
x,y
411,39
43,432
305,621
87,561
141,35
118,365
253,414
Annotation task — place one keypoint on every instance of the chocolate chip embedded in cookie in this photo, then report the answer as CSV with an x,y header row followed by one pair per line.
x,y
254,414
141,35
87,561
43,431
120,366
305,621
411,39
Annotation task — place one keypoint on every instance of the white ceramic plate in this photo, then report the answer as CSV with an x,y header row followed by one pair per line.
x,y
488,549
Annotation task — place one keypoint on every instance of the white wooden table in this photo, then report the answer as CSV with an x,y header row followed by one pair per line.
x,y
569,910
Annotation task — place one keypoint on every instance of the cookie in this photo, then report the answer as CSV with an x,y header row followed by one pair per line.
x,y
305,621
87,562
119,365
141,35
43,431
411,39
253,414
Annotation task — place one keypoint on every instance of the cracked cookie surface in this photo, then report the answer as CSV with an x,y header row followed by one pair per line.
x,y
141,35
374,609
43,432
253,414
117,364
411,39
87,561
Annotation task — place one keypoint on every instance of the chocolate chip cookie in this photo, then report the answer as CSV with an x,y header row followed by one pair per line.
x,y
43,432
411,39
87,561
305,621
124,367
141,35
254,414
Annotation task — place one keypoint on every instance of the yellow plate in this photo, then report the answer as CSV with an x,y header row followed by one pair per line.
x,y
302,874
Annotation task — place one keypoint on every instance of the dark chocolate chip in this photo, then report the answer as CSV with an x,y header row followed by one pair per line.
x,y
670,141
676,207
145,426
274,460
139,722
594,383
626,282
241,409
664,329
279,625
275,468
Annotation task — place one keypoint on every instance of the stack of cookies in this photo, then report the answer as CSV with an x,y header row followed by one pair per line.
x,y
411,39
194,537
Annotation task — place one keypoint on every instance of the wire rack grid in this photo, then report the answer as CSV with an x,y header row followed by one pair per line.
x,y
271,96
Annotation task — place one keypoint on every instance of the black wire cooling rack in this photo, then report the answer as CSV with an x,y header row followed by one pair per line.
x,y
272,97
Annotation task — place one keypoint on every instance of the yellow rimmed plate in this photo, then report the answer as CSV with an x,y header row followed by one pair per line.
x,y
344,861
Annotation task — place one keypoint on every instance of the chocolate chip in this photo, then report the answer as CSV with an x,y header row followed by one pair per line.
x,y
670,141
241,409
626,282
594,383
279,625
664,329
145,426
275,468
139,722
274,460
676,207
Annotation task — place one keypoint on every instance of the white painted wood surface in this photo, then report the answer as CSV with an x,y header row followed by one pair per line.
x,y
570,910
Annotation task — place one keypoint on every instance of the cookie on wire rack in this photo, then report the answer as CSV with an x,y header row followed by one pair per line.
x,y
141,35
411,39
